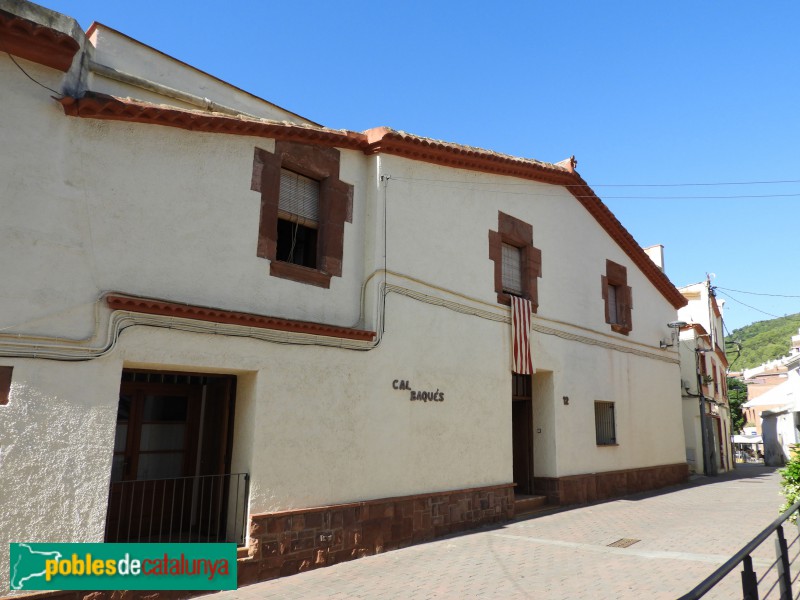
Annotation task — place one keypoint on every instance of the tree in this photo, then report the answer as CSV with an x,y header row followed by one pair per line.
x,y
737,395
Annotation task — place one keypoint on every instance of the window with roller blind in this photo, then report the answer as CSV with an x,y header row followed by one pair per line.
x,y
298,219
304,208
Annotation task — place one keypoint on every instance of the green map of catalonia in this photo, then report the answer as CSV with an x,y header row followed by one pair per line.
x,y
27,564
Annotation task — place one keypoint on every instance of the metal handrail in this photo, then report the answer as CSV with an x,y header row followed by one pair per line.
x,y
741,556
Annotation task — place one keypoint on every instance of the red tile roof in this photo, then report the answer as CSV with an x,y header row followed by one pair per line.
x,y
36,42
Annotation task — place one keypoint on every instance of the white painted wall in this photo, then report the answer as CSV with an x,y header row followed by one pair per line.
x,y
56,441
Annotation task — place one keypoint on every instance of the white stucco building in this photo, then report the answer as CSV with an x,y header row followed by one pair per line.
x,y
704,369
779,414
298,338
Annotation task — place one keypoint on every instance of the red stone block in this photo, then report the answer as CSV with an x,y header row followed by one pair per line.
x,y
247,572
277,524
267,574
345,555
373,534
427,522
351,537
303,544
305,565
405,508
350,515
254,548
314,520
273,562
258,527
290,567
337,519
402,530
287,536
456,514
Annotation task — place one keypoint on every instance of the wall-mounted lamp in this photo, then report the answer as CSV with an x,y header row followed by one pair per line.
x,y
675,326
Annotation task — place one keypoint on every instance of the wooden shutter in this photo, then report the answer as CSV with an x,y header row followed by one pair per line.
x,y
626,306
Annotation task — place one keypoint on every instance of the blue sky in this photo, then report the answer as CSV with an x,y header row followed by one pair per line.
x,y
640,92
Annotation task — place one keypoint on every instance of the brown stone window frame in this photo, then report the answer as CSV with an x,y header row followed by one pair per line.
x,y
519,234
335,207
5,384
617,276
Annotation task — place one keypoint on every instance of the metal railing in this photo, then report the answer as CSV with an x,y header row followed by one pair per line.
x,y
777,577
204,508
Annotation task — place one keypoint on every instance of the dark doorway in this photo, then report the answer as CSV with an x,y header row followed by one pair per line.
x,y
170,471
522,433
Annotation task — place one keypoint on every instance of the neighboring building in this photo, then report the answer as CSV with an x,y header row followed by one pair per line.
x,y
706,410
781,425
761,381
298,338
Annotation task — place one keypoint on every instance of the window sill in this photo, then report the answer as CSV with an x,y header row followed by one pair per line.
x,y
300,274
622,329
504,298
607,445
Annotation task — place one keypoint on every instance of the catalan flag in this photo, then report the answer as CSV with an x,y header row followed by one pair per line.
x,y
522,362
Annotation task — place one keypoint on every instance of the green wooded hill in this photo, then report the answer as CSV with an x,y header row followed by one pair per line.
x,y
762,341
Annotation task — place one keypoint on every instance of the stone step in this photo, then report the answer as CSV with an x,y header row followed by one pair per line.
x,y
525,504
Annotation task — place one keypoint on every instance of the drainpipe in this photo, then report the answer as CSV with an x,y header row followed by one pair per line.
x,y
163,90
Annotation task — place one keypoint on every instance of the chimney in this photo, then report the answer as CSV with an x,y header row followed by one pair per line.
x,y
656,254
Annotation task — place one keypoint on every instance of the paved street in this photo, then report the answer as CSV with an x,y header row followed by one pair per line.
x,y
684,533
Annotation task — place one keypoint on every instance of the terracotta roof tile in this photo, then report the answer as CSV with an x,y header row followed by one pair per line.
x,y
37,42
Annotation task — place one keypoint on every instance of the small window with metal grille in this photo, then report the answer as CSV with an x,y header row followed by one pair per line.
x,y
298,219
512,270
604,424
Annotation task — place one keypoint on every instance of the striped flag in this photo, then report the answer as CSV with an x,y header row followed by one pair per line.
x,y
522,362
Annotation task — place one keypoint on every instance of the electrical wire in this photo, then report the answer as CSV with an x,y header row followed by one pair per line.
x,y
467,185
621,185
753,307
24,72
756,293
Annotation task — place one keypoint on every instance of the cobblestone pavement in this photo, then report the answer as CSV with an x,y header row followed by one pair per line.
x,y
684,534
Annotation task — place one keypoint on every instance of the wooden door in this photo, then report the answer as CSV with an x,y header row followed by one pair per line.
x,y
155,447
522,440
